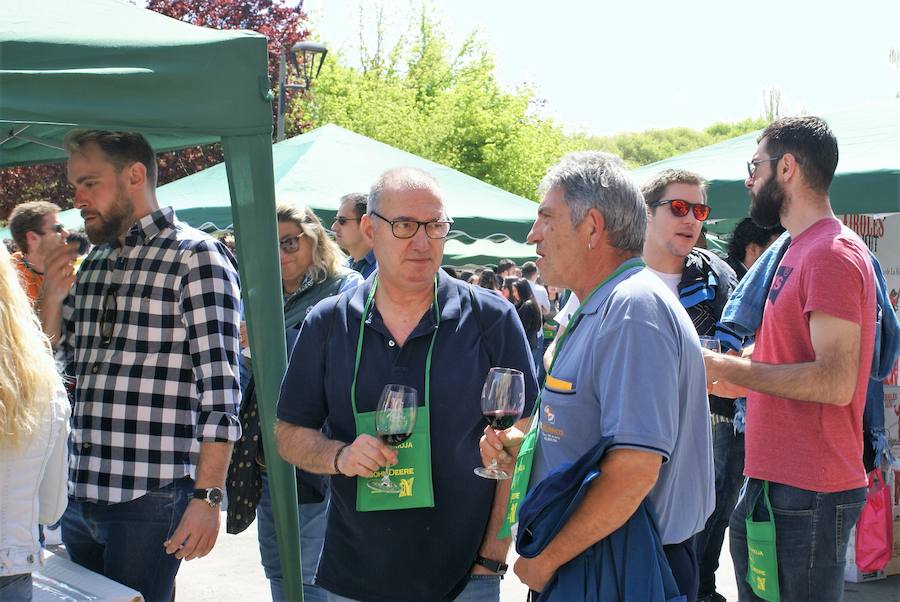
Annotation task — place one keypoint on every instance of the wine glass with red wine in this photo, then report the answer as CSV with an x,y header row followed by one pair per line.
x,y
502,402
395,419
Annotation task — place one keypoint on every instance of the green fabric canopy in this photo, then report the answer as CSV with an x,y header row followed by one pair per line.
x,y
108,64
320,166
868,172
460,251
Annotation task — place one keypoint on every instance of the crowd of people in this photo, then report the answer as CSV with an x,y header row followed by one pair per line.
x,y
605,329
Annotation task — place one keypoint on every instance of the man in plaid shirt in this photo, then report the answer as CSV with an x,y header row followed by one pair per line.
x,y
153,322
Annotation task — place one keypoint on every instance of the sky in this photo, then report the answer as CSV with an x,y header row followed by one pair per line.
x,y
607,67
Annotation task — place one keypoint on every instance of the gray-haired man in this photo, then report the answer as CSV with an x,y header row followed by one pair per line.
x,y
630,368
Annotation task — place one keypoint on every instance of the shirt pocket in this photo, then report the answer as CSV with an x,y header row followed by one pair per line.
x,y
153,322
560,386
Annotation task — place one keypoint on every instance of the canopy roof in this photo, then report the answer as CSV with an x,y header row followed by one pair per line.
x,y
462,251
319,167
868,172
109,64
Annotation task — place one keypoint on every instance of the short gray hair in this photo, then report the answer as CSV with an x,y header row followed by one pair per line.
x,y
402,178
597,180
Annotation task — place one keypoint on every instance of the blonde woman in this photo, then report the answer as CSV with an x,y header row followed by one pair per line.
x,y
312,268
34,427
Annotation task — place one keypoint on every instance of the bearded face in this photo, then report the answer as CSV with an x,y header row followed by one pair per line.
x,y
767,204
106,226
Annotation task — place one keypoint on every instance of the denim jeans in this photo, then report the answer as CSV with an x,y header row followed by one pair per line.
x,y
312,537
15,588
728,453
480,588
811,534
125,541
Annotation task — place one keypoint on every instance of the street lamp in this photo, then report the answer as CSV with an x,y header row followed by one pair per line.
x,y
303,57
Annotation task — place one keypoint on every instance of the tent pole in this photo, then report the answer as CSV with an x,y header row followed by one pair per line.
x,y
251,181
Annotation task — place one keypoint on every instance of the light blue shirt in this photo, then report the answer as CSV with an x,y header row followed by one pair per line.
x,y
632,370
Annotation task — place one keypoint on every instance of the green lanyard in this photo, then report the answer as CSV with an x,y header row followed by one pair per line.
x,y
576,317
359,344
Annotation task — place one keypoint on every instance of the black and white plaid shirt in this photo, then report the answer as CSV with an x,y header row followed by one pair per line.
x,y
154,326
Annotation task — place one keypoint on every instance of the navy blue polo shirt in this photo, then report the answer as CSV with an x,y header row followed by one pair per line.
x,y
425,553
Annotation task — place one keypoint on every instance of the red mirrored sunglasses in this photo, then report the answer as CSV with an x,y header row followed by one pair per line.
x,y
680,208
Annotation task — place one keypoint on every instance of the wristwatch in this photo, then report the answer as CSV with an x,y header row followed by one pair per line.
x,y
495,566
211,495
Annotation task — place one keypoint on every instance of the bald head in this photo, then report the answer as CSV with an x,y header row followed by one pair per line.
x,y
402,179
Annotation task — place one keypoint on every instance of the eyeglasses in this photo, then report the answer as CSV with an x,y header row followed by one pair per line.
x,y
290,244
752,165
680,208
340,219
108,315
56,228
405,228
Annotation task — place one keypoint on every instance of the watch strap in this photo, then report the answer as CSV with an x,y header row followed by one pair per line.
x,y
495,566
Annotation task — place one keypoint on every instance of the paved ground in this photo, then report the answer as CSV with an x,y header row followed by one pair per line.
x,y
233,572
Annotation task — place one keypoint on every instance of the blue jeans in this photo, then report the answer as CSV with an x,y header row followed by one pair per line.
x,y
480,588
125,541
312,537
15,588
728,453
811,534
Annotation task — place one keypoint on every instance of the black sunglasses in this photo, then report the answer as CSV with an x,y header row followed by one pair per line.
x,y
753,165
340,219
57,228
680,208
108,315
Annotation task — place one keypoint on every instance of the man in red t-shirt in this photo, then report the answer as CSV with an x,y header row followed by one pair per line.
x,y
809,371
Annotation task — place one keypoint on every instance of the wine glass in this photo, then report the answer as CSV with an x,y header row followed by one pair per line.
x,y
711,343
502,402
395,419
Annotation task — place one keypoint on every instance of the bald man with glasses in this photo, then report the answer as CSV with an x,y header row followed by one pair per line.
x,y
408,324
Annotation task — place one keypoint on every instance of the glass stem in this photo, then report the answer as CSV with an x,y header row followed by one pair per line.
x,y
386,479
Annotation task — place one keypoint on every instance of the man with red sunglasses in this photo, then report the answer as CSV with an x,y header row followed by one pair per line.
x,y
676,210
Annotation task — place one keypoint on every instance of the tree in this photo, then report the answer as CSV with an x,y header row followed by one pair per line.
x,y
894,58
423,96
772,103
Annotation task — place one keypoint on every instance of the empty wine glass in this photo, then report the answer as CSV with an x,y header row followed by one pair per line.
x,y
395,420
502,403
711,343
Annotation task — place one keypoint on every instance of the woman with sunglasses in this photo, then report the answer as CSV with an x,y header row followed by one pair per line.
x,y
312,268
34,428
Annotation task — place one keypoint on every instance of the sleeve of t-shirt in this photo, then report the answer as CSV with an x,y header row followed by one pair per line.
x,y
638,386
302,400
835,285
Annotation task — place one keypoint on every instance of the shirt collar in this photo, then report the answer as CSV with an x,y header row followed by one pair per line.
x,y
149,226
447,293
595,302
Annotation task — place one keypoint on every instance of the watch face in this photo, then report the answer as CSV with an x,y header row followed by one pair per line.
x,y
214,496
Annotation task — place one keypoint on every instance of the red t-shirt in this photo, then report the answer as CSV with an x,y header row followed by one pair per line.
x,y
803,444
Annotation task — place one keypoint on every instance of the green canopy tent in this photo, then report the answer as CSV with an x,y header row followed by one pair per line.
x,y
109,64
320,166
868,172
484,251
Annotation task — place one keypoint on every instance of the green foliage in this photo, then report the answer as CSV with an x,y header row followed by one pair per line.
x,y
444,105
641,148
